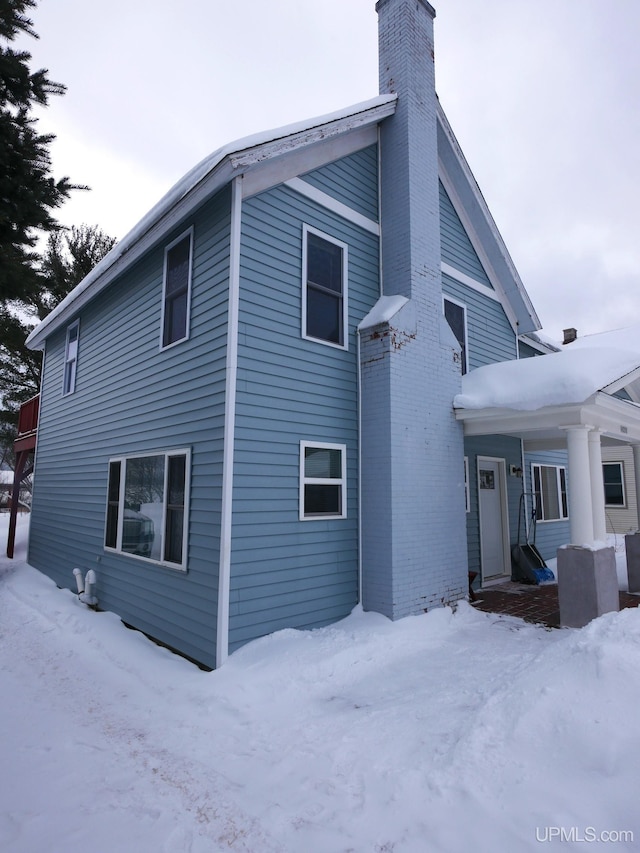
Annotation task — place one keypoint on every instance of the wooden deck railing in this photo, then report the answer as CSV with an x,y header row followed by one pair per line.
x,y
28,416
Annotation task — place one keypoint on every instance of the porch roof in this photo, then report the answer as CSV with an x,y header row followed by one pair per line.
x,y
536,399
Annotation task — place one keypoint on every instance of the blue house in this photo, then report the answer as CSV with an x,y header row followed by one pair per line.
x,y
246,413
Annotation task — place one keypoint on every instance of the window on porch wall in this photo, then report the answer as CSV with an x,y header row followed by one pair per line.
x,y
613,484
550,489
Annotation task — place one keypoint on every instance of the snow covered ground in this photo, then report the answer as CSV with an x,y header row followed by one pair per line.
x,y
447,732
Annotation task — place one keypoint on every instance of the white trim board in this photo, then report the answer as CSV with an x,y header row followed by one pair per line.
x,y
224,571
330,203
452,272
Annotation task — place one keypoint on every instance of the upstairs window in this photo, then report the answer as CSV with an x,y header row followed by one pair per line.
x,y
323,480
456,316
613,475
71,358
324,288
147,507
177,290
550,490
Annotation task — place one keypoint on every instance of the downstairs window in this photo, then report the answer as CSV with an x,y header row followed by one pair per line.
x,y
323,480
147,507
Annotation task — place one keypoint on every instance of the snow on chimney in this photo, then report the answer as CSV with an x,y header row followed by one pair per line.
x,y
569,335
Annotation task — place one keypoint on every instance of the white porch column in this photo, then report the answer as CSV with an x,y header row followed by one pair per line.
x,y
580,502
597,486
636,471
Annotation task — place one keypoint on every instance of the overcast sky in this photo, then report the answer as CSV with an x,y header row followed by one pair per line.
x,y
543,97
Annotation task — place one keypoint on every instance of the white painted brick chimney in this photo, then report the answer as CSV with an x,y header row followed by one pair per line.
x,y
413,509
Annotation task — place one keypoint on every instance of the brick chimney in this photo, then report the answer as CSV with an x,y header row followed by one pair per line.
x,y
413,511
570,335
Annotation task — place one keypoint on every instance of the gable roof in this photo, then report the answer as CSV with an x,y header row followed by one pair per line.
x,y
471,207
199,184
251,153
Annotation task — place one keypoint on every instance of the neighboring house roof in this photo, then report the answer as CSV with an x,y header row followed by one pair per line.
x,y
628,338
200,183
623,339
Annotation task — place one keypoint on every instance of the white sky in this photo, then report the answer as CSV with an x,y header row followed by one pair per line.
x,y
542,97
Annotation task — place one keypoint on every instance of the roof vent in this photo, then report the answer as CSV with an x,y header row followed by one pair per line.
x,y
569,335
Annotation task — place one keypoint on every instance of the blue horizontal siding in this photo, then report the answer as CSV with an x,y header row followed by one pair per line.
x,y
490,335
352,180
131,397
526,351
287,572
456,247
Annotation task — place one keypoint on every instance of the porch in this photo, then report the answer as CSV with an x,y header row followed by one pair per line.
x,y
536,604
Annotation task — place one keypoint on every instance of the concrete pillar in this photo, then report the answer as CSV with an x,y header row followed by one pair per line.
x,y
587,584
580,501
636,471
597,487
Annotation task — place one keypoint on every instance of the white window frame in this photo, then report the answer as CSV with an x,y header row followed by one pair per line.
x,y
189,233
558,469
341,481
306,230
620,465
168,454
446,298
70,371
467,483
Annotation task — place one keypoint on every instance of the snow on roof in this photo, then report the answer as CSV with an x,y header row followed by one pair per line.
x,y
570,376
627,339
385,308
185,185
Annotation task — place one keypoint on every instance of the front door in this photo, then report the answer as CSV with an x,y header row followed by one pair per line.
x,y
494,544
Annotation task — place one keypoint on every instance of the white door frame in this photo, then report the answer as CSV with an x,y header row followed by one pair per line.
x,y
504,513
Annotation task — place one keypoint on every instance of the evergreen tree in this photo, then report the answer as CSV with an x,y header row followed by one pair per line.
x,y
69,256
28,193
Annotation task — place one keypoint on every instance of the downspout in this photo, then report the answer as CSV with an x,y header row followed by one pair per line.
x,y
224,571
359,378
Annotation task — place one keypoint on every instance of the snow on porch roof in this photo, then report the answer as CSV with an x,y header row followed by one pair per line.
x,y
568,377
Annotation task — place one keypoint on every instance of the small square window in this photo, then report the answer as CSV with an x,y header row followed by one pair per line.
x,y
322,480
177,290
71,358
324,288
